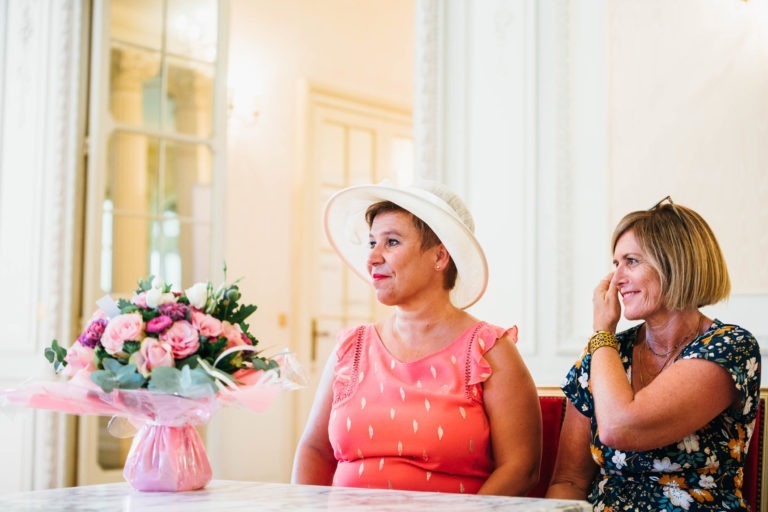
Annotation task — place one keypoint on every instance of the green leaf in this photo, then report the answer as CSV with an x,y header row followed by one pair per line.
x,y
148,314
145,284
210,350
111,365
99,355
126,306
242,313
191,361
104,379
165,379
129,347
55,355
187,382
128,377
231,362
261,363
116,375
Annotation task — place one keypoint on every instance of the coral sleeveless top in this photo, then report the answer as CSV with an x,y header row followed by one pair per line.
x,y
419,425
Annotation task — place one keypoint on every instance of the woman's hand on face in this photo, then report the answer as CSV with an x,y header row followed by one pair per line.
x,y
606,306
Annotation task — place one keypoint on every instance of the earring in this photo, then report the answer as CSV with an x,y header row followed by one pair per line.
x,y
437,267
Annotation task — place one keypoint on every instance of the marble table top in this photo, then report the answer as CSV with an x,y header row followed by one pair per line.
x,y
233,496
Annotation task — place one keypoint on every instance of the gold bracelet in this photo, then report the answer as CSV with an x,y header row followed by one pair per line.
x,y
602,339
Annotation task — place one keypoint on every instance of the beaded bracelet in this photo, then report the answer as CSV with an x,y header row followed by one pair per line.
x,y
602,339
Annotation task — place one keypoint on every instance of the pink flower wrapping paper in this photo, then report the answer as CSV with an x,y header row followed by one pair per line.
x,y
167,453
165,361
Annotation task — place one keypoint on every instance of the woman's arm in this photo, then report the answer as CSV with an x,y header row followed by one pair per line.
x,y
314,462
512,405
574,467
681,400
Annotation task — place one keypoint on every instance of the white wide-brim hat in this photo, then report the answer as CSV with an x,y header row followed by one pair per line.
x,y
442,210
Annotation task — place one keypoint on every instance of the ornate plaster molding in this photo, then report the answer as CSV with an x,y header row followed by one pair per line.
x,y
563,164
57,217
427,94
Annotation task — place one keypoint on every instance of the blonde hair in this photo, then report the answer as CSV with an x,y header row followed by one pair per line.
x,y
683,250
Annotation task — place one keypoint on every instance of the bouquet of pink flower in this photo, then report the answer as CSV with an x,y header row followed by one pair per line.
x,y
164,361
189,344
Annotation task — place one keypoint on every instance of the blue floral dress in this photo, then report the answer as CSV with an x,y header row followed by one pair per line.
x,y
704,471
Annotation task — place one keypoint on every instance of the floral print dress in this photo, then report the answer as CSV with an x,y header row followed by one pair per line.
x,y
704,471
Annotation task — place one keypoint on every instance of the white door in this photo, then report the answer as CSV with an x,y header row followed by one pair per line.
x,y
347,141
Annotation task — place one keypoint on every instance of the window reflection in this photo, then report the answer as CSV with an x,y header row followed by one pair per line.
x,y
156,211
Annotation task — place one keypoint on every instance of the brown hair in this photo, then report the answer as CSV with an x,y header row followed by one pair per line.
x,y
683,250
428,237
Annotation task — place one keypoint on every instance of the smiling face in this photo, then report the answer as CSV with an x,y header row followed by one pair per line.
x,y
636,278
400,268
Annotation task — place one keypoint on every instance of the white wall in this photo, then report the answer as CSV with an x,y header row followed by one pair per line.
x,y
40,58
529,158
361,46
689,118
634,101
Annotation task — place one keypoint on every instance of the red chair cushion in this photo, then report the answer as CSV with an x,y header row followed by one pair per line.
x,y
753,465
552,412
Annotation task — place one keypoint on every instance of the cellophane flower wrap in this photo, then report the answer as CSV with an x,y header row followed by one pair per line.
x,y
164,361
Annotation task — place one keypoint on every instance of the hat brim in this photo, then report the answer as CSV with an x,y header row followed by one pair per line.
x,y
348,234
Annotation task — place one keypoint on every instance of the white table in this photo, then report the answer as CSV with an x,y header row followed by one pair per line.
x,y
233,496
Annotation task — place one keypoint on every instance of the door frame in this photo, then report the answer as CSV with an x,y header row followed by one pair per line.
x,y
307,227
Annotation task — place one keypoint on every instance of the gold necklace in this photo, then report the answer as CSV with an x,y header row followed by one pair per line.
x,y
669,354
685,339
649,348
653,375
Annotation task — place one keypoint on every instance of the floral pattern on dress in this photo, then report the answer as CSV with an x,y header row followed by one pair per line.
x,y
703,471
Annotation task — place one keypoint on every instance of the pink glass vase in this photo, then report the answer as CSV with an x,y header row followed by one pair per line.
x,y
166,458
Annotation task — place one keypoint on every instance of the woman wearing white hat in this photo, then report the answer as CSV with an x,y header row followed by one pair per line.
x,y
431,398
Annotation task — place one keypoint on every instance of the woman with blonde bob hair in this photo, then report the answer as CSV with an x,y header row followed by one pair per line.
x,y
660,415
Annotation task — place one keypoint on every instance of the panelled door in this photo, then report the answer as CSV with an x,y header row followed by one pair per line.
x,y
348,141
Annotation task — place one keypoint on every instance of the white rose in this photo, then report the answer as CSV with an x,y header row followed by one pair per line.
x,y
197,295
153,297
166,298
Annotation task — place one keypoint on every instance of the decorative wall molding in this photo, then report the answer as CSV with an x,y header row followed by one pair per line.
x,y
61,171
514,139
3,30
563,169
39,149
427,89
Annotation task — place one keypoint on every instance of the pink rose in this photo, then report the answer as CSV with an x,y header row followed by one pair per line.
x,y
206,324
153,353
248,376
97,314
183,338
78,358
120,329
140,300
158,324
233,333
